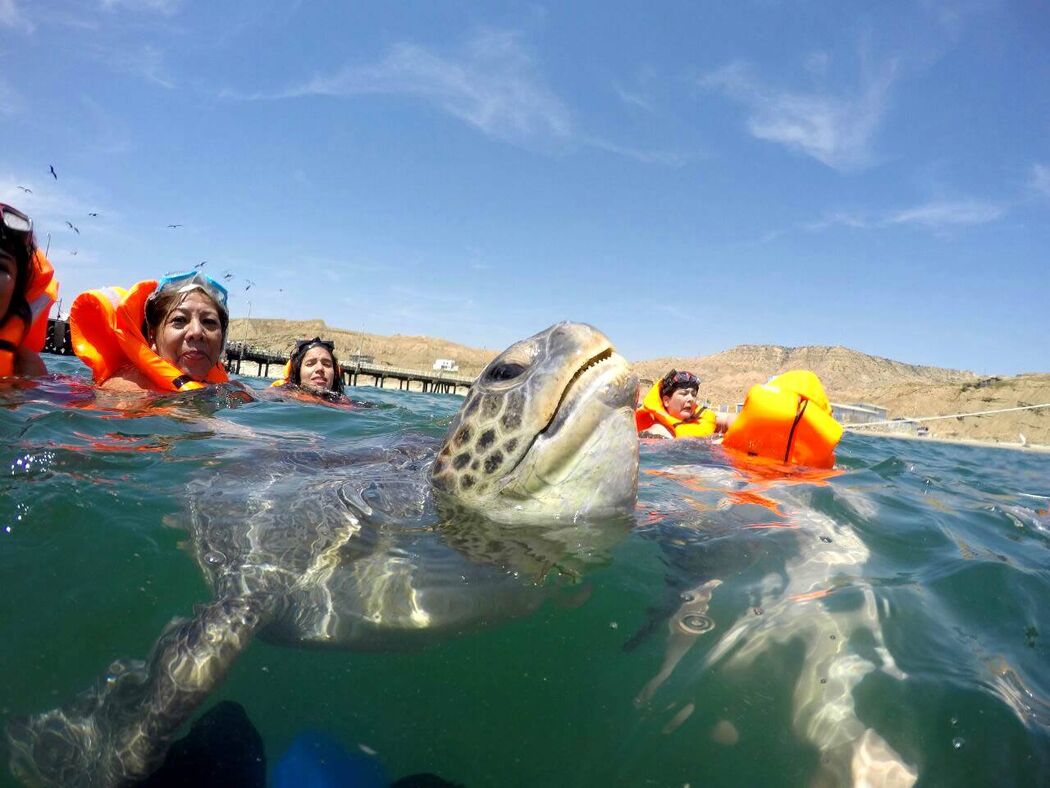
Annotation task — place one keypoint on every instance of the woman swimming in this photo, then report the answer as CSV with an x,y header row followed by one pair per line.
x,y
314,368
157,336
27,291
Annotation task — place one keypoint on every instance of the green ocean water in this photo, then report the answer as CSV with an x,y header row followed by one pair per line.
x,y
902,601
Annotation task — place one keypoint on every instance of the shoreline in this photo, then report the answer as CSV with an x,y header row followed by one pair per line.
x,y
389,384
1036,448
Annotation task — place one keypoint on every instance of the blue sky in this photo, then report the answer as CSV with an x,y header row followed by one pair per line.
x,y
687,177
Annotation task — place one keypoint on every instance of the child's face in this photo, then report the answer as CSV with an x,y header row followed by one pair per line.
x,y
8,281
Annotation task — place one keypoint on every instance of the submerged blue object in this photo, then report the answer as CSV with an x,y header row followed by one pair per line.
x,y
316,760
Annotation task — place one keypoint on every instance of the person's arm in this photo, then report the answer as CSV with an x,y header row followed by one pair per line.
x,y
723,420
656,431
28,363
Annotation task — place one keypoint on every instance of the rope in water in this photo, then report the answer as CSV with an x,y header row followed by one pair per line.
x,y
938,418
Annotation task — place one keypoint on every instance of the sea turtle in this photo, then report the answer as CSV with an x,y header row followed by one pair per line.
x,y
397,542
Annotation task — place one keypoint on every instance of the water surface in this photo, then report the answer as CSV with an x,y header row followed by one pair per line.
x,y
750,629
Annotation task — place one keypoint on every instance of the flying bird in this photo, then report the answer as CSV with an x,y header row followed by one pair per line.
x,y
27,191
227,276
249,285
73,227
74,253
200,265
92,214
52,166
173,226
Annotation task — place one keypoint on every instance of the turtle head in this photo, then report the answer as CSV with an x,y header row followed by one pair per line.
x,y
546,432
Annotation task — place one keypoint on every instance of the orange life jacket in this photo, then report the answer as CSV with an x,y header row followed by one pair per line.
x,y
106,327
652,411
41,294
285,374
788,420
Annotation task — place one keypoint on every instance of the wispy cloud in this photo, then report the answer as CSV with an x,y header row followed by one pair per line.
x,y
12,17
52,204
109,132
493,85
163,7
673,311
667,158
634,98
1040,179
836,130
10,101
952,15
937,215
146,62
335,268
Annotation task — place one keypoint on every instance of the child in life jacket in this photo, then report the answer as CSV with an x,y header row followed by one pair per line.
x,y
670,410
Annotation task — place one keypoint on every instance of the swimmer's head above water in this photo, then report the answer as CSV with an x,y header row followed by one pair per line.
x,y
185,323
27,291
314,367
678,393
16,253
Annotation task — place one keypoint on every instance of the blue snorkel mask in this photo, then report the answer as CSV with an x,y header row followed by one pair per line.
x,y
193,280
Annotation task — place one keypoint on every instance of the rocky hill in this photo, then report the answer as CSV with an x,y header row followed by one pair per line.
x,y
906,390
847,374
279,336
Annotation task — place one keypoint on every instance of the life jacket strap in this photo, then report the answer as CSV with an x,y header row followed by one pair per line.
x,y
802,402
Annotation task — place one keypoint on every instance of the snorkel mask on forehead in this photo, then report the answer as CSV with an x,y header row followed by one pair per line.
x,y
15,229
675,380
189,281
302,345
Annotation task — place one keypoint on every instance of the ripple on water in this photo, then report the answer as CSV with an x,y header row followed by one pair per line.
x,y
939,550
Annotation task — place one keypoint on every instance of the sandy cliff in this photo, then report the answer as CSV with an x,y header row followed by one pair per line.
x,y
908,390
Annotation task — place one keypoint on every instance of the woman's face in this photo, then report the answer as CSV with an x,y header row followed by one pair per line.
x,y
681,404
8,280
317,372
191,336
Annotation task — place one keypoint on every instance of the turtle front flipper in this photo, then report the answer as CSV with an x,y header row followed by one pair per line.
x,y
118,732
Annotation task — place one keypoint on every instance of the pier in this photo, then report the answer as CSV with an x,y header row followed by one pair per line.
x,y
59,342
437,382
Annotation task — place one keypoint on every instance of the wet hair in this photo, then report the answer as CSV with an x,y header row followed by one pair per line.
x,y
296,364
22,250
164,302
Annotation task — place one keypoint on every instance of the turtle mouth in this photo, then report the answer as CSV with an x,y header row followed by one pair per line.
x,y
574,382
587,372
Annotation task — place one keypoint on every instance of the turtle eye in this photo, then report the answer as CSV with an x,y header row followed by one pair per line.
x,y
506,371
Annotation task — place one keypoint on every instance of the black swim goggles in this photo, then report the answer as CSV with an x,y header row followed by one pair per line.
x,y
302,344
15,226
678,380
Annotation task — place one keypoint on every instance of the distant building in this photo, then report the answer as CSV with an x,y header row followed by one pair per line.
x,y
446,365
359,359
857,413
